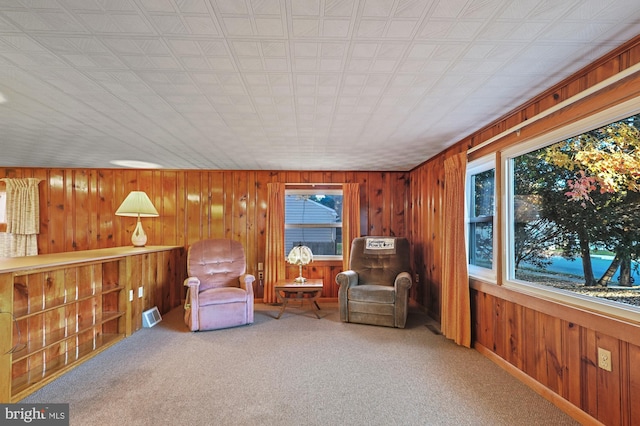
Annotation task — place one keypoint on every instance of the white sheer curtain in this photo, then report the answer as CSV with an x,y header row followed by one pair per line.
x,y
23,216
5,244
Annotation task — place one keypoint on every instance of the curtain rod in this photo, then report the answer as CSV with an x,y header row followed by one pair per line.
x,y
591,90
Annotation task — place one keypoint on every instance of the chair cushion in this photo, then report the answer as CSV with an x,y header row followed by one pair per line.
x,y
222,295
372,293
216,262
380,269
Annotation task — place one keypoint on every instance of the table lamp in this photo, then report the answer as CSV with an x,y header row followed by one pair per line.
x,y
300,255
137,204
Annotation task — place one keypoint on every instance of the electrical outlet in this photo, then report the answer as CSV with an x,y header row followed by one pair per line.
x,y
417,278
260,275
604,359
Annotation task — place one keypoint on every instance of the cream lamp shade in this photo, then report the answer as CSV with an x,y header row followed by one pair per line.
x,y
137,204
300,255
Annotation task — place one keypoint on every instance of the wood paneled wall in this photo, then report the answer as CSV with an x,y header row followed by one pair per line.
x,y
427,195
556,346
77,208
550,346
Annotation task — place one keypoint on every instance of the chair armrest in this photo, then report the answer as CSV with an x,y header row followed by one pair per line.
x,y
346,279
402,285
246,282
192,282
191,302
403,281
193,288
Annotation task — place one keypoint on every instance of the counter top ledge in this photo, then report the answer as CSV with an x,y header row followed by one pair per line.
x,y
13,264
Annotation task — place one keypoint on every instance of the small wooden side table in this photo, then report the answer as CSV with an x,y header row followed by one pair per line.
x,y
289,290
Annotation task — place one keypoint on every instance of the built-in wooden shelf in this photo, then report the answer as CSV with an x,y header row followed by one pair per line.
x,y
30,380
65,308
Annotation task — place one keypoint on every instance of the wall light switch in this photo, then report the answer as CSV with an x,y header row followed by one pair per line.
x,y
260,266
140,292
130,295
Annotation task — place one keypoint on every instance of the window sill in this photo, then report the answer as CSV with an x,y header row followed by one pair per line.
x,y
327,259
567,297
482,274
595,305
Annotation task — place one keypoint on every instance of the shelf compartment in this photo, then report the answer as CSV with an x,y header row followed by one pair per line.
x,y
60,335
44,370
111,323
111,300
37,292
110,290
24,312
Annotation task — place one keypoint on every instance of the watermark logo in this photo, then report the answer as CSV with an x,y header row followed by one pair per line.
x,y
34,414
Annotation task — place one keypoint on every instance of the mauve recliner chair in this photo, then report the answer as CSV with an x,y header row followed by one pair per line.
x,y
220,292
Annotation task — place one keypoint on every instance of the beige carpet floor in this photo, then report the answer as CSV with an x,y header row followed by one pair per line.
x,y
298,370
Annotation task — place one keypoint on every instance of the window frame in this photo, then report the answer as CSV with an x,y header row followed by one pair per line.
x,y
475,167
594,121
315,191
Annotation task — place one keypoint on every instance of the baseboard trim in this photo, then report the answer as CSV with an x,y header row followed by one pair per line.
x,y
572,410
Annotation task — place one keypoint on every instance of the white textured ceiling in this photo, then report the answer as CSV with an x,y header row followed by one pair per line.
x,y
280,84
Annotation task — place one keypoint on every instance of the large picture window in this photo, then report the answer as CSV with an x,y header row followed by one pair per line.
x,y
573,214
314,218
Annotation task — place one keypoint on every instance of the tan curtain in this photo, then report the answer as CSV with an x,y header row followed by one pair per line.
x,y
274,257
23,216
456,304
350,219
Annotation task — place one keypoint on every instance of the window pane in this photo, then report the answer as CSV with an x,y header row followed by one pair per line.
x,y
575,221
314,220
481,219
483,193
481,244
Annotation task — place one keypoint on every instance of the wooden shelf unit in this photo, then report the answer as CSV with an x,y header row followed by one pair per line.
x,y
61,309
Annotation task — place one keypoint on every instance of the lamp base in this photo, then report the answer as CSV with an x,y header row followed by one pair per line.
x,y
138,238
300,278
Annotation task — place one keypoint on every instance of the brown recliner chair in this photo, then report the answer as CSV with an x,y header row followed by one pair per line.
x,y
220,293
376,288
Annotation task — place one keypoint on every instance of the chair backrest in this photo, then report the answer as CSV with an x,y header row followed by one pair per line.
x,y
379,263
216,262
